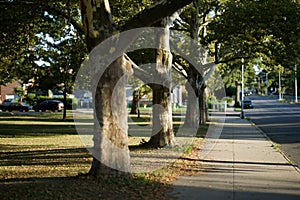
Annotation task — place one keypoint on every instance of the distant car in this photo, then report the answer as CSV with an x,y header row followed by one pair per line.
x,y
52,105
15,107
247,93
248,104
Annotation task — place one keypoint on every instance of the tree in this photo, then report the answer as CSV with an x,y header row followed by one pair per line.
x,y
138,93
193,21
250,29
162,123
98,26
35,48
69,55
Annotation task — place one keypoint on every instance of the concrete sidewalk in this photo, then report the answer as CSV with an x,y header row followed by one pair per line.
x,y
242,165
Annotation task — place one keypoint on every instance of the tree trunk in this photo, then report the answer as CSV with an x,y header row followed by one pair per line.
x,y
192,110
111,155
110,152
135,102
162,123
237,103
65,103
203,107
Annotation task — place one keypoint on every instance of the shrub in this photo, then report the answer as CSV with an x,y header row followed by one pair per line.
x,y
30,99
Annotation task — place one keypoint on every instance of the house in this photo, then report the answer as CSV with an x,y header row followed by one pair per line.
x,y
7,91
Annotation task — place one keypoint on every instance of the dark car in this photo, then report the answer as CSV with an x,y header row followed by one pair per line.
x,y
248,104
15,107
53,105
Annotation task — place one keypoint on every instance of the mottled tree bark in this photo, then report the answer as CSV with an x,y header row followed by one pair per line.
x,y
111,155
162,123
192,110
110,151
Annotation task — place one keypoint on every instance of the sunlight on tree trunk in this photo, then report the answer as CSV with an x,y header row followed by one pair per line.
x,y
192,110
162,127
110,139
111,155
110,152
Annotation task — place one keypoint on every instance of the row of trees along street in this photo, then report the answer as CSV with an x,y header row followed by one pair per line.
x,y
44,43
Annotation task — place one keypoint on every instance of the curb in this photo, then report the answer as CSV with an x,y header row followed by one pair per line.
x,y
274,144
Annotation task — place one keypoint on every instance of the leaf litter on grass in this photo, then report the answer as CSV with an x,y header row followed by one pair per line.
x,y
47,167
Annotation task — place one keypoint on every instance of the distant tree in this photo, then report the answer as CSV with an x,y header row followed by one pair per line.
x,y
139,92
193,22
253,29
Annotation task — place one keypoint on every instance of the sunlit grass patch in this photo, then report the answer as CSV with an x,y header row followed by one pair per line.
x,y
42,156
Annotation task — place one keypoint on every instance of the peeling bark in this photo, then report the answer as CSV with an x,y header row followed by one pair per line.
x,y
192,110
110,152
111,155
162,122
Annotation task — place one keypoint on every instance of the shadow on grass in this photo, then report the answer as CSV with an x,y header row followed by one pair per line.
x,y
53,174
75,188
14,130
43,157
49,188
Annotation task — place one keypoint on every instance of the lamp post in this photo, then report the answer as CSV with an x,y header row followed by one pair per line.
x,y
243,95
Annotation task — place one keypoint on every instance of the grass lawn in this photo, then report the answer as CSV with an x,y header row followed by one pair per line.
x,y
41,157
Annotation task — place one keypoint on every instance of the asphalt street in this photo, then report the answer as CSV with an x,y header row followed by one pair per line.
x,y
280,122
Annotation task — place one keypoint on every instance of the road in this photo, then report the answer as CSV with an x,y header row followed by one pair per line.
x,y
280,121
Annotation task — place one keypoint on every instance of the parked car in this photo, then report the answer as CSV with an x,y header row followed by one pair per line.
x,y
52,105
15,106
6,102
248,104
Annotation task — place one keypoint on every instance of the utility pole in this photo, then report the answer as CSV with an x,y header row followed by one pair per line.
x,y
296,86
267,83
243,95
279,85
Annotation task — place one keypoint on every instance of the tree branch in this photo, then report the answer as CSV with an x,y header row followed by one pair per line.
x,y
51,9
232,59
152,15
138,72
180,69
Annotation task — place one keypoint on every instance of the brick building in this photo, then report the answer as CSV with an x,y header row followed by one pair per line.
x,y
7,90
